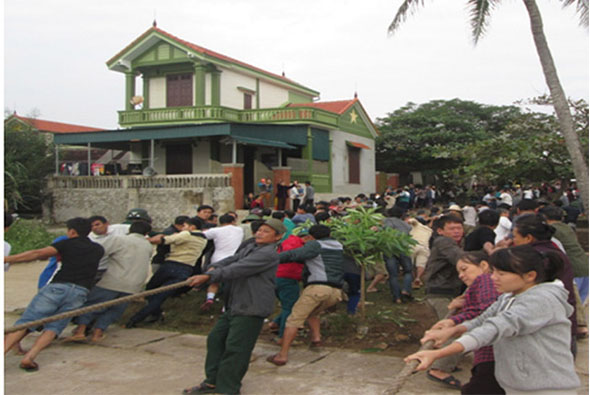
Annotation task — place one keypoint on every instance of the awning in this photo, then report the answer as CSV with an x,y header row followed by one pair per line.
x,y
265,142
357,145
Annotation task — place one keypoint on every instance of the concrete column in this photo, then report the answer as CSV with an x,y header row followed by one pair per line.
x,y
215,88
199,85
146,92
237,182
309,152
129,89
234,152
56,160
89,160
152,153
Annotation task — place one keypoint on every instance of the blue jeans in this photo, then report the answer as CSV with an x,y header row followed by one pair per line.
x,y
52,299
104,317
354,291
392,264
288,292
168,273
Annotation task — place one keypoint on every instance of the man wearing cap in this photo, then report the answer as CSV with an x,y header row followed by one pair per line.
x,y
249,278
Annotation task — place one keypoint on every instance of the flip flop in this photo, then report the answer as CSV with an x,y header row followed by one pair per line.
x,y
271,359
100,339
202,388
76,339
450,381
29,368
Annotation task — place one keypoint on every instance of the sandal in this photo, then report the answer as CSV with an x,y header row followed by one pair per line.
x,y
271,359
202,388
450,381
316,344
33,367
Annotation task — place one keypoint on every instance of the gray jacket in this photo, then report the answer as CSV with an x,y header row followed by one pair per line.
x,y
249,279
531,336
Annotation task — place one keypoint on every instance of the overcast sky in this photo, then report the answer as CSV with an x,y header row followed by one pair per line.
x,y
55,50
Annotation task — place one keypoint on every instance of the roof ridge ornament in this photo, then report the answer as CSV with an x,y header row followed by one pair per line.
x,y
154,23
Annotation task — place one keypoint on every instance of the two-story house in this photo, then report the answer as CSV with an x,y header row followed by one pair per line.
x,y
190,110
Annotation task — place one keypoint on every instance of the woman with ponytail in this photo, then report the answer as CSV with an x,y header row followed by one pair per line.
x,y
527,325
533,229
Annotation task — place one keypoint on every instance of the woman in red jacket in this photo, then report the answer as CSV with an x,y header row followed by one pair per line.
x,y
288,277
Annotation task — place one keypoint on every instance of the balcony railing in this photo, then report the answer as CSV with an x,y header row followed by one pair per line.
x,y
208,114
185,181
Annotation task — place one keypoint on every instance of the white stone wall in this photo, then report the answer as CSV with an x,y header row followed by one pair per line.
x,y
272,96
340,184
157,88
162,204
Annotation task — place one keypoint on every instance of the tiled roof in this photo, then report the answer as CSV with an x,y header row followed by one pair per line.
x,y
55,127
337,107
201,50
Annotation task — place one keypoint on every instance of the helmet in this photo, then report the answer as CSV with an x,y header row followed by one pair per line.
x,y
138,214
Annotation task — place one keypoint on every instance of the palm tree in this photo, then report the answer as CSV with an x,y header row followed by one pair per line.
x,y
480,12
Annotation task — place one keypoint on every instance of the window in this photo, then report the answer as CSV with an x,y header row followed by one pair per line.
x,y
179,90
354,165
247,101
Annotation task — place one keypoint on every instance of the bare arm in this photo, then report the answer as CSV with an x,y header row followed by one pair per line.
x,y
31,255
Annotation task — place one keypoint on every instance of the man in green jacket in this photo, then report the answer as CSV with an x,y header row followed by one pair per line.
x,y
249,292
322,277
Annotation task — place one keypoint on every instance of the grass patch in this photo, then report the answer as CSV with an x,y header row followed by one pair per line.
x,y
28,234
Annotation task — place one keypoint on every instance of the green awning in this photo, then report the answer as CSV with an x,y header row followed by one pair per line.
x,y
265,142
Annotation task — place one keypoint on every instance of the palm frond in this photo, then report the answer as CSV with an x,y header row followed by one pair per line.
x,y
581,10
408,6
479,11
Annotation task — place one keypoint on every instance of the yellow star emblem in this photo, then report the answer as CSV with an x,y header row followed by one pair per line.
x,y
353,116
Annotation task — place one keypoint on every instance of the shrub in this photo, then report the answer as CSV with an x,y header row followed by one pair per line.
x,y
28,234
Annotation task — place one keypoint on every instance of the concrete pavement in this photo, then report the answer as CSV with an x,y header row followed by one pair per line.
x,y
142,361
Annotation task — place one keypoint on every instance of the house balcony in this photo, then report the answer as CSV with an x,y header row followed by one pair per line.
x,y
210,114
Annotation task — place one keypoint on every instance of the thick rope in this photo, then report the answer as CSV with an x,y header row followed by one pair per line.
x,y
97,306
407,371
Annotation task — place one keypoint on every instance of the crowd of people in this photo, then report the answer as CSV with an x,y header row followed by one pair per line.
x,y
498,273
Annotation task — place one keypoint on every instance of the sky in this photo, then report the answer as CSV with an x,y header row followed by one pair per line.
x,y
55,50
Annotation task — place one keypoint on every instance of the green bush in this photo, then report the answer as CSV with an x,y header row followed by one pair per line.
x,y
28,234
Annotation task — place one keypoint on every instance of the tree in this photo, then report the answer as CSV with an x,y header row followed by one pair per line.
x,y
530,149
365,240
28,159
412,135
480,12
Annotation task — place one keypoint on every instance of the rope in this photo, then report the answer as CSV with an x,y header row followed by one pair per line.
x,y
407,371
97,306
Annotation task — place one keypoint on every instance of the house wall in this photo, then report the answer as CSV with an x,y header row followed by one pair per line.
x,y
272,95
135,152
340,182
230,95
201,158
157,92
159,159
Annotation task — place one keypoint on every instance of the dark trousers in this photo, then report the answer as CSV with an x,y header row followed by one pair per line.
x,y
287,291
229,347
482,380
168,273
295,204
354,291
